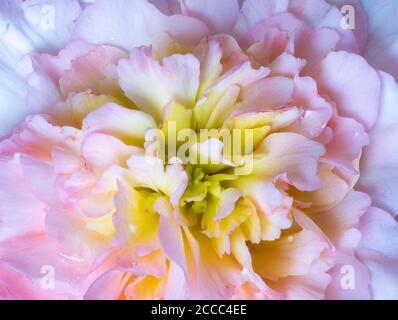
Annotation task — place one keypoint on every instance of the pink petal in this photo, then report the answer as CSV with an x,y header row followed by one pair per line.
x,y
349,137
16,286
47,70
379,160
220,15
307,287
378,250
349,266
116,153
292,154
320,14
108,286
339,222
93,71
121,18
40,178
29,253
361,21
267,94
353,85
255,11
317,110
18,203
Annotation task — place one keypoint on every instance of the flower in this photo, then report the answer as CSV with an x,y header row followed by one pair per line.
x,y
197,149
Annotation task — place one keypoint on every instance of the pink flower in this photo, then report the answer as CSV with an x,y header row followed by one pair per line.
x,y
110,189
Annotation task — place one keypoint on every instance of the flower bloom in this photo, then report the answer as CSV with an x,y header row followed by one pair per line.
x,y
197,149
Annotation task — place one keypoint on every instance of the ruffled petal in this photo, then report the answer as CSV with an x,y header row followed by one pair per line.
x,y
177,78
284,153
353,85
378,250
209,12
382,46
379,160
143,20
94,71
18,203
27,26
287,256
127,124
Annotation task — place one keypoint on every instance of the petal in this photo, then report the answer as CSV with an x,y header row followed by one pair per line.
x,y
274,43
16,286
217,54
95,71
317,111
292,154
148,172
338,222
254,11
151,85
308,287
287,256
353,85
272,205
170,235
211,276
36,137
349,137
13,90
127,124
46,72
36,25
287,65
377,250
34,255
320,14
108,286
219,15
168,7
18,203
117,152
240,77
382,46
143,20
333,189
146,288
379,160
267,94
89,241
133,222
361,21
40,178
350,280
76,107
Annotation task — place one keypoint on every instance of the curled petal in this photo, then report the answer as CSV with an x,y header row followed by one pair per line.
x,y
209,12
144,20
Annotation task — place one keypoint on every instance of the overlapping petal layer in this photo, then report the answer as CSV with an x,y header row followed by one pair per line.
x,y
203,150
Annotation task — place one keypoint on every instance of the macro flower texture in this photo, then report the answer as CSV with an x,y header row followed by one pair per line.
x,y
198,149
